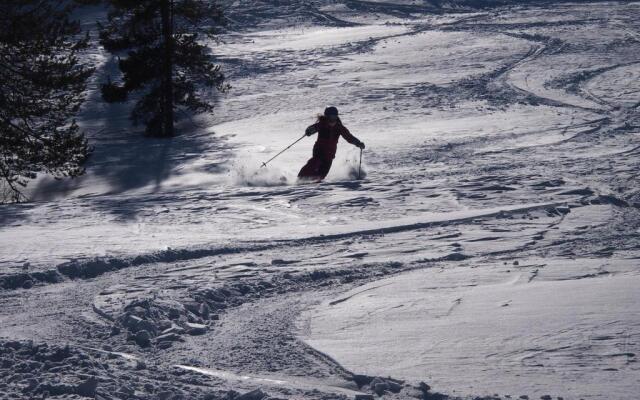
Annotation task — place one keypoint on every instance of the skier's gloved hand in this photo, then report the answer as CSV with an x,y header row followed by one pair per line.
x,y
361,145
310,130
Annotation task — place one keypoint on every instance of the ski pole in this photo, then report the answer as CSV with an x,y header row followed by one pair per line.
x,y
360,166
264,164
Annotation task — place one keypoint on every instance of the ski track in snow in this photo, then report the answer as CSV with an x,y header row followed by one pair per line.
x,y
500,175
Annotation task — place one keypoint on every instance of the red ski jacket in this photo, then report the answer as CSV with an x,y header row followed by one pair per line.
x,y
328,137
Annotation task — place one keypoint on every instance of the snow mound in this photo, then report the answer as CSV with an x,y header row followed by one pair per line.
x,y
534,324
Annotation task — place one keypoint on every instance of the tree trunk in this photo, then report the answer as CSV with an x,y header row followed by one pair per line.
x,y
167,69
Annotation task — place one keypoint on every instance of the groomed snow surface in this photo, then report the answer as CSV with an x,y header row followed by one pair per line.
x,y
489,250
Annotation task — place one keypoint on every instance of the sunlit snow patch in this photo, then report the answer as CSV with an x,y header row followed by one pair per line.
x,y
328,385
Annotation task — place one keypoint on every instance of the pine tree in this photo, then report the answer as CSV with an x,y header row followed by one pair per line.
x,y
162,58
42,82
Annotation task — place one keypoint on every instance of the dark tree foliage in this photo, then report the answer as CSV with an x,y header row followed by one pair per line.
x,y
163,57
42,82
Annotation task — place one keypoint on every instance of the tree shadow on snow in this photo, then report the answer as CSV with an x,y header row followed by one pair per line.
x,y
124,159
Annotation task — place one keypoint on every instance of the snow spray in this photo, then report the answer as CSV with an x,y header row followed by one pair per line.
x,y
247,173
347,168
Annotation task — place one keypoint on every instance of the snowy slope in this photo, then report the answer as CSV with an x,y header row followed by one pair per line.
x,y
545,327
493,135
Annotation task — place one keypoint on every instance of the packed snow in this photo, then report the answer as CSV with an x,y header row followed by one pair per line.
x,y
489,247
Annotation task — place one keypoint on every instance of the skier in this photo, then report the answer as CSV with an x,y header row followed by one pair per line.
x,y
329,129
